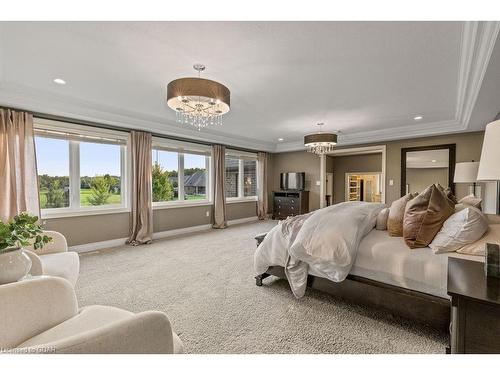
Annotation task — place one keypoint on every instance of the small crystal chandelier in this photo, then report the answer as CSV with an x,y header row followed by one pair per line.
x,y
320,143
197,101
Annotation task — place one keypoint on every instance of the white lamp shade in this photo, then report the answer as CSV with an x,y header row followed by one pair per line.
x,y
466,172
489,166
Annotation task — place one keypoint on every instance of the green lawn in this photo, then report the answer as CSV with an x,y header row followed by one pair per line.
x,y
113,199
194,197
84,194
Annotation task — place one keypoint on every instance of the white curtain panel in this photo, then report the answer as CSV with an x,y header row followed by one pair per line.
x,y
18,174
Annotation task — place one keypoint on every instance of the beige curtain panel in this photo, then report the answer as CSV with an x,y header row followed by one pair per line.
x,y
141,230
262,204
219,154
18,175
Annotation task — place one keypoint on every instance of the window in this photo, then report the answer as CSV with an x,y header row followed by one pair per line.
x,y
165,176
241,175
53,171
180,173
100,174
250,178
195,177
79,168
232,177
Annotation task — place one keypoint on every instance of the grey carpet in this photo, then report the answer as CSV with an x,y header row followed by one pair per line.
x,y
204,282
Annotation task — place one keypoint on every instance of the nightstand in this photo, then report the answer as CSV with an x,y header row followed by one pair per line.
x,y
475,308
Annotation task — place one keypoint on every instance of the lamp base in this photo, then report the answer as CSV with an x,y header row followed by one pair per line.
x,y
492,261
475,190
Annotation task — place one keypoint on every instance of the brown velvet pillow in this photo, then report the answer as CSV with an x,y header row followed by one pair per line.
x,y
396,215
424,216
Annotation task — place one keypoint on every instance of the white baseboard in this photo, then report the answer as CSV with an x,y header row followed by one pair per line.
x,y
244,220
94,246
176,232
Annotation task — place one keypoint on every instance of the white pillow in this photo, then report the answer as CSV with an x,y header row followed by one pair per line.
x,y
382,219
471,200
479,247
461,228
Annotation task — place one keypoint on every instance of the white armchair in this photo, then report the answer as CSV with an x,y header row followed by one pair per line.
x,y
54,259
41,315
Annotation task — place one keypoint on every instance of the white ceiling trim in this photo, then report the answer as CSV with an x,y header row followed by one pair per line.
x,y
478,41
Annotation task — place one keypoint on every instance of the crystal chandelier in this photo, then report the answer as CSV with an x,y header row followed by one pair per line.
x,y
320,143
197,101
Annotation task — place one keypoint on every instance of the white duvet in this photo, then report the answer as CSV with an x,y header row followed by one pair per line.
x,y
326,239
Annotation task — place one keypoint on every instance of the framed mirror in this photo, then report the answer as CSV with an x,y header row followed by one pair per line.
x,y
427,165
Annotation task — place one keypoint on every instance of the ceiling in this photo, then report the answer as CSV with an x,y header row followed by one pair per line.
x,y
367,80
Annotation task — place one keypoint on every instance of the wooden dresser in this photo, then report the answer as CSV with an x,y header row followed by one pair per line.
x,y
290,203
475,301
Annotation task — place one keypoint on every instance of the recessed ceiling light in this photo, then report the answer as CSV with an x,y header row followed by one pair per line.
x,y
418,118
280,139
59,81
433,160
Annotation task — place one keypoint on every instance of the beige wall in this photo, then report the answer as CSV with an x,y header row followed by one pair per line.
x,y
468,147
297,161
347,164
80,230
419,178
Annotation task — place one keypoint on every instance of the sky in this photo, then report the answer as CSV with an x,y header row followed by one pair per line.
x,y
168,160
97,158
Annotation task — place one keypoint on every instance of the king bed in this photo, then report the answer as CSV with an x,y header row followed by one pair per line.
x,y
383,271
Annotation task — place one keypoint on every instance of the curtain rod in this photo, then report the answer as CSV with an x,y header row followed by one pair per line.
x,y
47,116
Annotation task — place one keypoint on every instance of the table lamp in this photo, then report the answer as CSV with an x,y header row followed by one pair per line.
x,y
466,173
489,170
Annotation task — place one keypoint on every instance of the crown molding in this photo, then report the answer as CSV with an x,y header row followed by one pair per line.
x,y
31,99
477,43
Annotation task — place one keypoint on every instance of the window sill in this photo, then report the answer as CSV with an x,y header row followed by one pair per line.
x,y
55,213
181,204
241,200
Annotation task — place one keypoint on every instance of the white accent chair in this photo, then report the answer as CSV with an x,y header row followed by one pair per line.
x,y
41,315
54,259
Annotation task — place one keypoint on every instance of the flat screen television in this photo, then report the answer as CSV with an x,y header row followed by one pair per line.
x,y
293,181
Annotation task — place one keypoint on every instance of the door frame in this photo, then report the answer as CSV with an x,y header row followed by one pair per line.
x,y
366,150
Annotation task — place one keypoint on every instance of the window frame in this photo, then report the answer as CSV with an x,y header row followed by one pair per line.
x,y
181,148
242,156
70,132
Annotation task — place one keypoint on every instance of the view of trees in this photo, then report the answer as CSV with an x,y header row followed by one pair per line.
x,y
162,187
55,195
94,191
106,189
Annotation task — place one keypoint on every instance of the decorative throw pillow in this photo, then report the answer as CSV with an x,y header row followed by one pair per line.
x,y
424,216
396,215
382,219
479,247
462,228
471,200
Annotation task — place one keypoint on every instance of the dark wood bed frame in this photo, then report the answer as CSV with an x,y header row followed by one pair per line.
x,y
422,307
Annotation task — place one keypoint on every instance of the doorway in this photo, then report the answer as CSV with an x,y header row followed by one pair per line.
x,y
363,187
